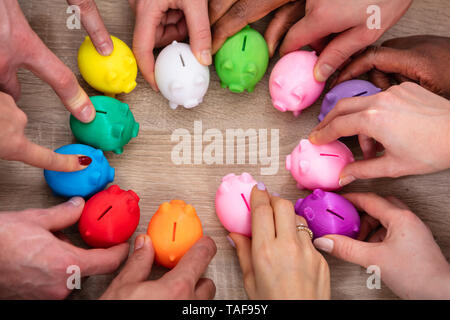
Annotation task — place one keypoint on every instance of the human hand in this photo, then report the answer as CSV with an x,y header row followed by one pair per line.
x,y
183,282
34,262
230,16
409,123
160,22
340,28
93,23
279,262
22,48
14,145
418,58
402,246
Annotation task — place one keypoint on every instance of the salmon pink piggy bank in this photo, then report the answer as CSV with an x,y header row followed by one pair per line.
x,y
318,167
292,84
233,203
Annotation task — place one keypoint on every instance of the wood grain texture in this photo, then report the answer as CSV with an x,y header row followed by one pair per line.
x,y
146,165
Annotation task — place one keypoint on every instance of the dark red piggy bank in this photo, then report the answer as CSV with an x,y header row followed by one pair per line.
x,y
110,217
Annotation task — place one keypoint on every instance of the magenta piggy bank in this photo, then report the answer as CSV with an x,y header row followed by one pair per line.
x,y
292,84
329,213
346,89
233,203
318,167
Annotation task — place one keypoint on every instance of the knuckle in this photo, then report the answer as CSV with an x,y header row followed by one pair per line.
x,y
204,252
65,79
181,288
285,206
262,209
239,9
85,5
203,33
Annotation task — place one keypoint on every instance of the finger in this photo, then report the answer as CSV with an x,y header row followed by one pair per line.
x,y
338,51
397,202
304,236
341,126
45,65
194,263
384,59
284,214
238,16
101,261
368,224
41,157
375,206
284,18
244,253
176,30
61,216
61,236
217,8
11,86
347,249
373,168
93,23
378,236
147,20
205,289
196,14
263,227
139,264
380,79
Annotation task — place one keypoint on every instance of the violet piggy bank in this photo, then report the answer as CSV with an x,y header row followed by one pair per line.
x,y
329,213
292,84
180,77
346,89
318,167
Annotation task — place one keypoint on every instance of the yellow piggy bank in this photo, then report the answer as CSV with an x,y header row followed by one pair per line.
x,y
112,74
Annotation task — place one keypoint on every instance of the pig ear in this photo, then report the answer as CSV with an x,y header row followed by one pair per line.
x,y
165,207
318,194
304,144
331,98
111,77
246,177
251,68
189,210
200,80
309,213
224,187
304,166
175,86
227,65
278,81
117,130
114,189
94,178
298,92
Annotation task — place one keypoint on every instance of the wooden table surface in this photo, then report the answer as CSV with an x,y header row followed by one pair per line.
x,y
147,168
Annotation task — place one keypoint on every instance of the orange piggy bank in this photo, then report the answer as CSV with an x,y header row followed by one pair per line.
x,y
174,229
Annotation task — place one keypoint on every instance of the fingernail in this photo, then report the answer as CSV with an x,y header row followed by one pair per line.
x,y
261,186
205,57
86,113
312,136
140,240
275,194
231,242
346,180
323,72
84,160
76,201
324,244
105,49
274,47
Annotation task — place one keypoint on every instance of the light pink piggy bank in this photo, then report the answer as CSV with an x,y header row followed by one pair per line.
x,y
292,84
233,203
318,167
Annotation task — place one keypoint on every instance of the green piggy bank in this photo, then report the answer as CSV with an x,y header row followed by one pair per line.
x,y
112,128
242,61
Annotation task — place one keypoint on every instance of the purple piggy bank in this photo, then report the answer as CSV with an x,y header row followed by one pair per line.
x,y
346,89
328,213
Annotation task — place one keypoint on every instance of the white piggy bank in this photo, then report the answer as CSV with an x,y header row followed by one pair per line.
x,y
180,77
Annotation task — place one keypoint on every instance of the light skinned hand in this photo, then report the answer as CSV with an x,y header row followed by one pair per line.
x,y
184,282
410,124
34,262
230,16
399,243
22,48
15,146
160,22
93,23
418,59
340,28
279,262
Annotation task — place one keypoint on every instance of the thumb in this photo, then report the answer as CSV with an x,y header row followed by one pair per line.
x,y
243,247
139,264
366,169
60,216
347,249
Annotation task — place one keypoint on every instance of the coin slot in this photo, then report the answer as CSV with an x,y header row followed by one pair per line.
x,y
174,231
335,214
329,155
244,44
360,94
182,60
245,201
104,212
100,111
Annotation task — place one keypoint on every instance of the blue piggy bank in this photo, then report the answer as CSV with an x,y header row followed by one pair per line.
x,y
83,183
